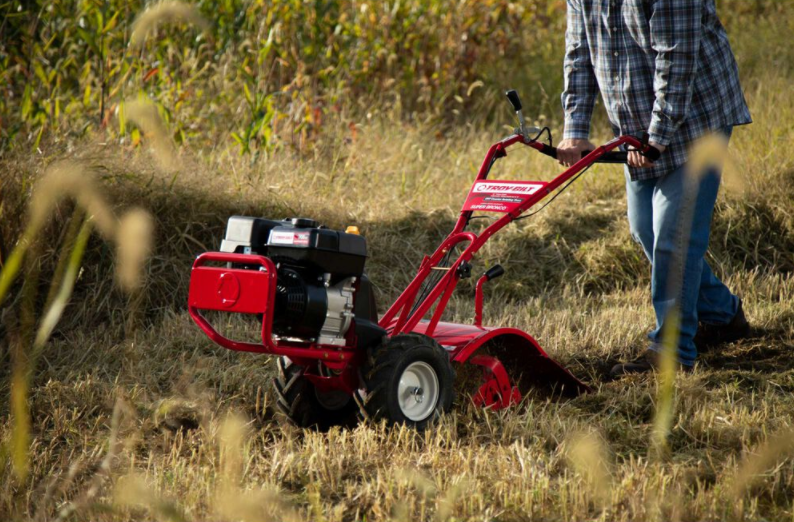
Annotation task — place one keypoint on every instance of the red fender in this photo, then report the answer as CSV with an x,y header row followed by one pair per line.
x,y
519,352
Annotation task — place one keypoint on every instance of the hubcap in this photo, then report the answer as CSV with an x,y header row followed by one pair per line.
x,y
418,391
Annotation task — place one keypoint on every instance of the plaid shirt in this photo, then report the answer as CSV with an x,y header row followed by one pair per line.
x,y
662,66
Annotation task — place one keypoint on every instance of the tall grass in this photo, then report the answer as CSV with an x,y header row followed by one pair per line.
x,y
302,66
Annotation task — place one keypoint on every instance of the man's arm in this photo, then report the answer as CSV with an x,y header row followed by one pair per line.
x,y
581,87
580,91
675,36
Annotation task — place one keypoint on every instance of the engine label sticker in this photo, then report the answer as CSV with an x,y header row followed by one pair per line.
x,y
298,239
500,196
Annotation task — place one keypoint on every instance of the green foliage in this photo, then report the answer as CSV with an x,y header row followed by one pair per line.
x,y
270,73
280,68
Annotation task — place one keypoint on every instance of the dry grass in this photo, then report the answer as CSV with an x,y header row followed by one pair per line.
x,y
135,414
106,402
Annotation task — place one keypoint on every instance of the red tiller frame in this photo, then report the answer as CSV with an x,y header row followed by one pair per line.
x,y
250,291
478,299
400,317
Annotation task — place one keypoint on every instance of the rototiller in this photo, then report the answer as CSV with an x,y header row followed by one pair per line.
x,y
337,358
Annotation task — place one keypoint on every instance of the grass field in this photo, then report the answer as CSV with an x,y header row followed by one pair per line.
x,y
132,413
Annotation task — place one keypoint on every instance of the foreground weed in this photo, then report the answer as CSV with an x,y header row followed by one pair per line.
x,y
66,180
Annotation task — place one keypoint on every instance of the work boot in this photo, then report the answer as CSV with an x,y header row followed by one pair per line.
x,y
647,362
710,335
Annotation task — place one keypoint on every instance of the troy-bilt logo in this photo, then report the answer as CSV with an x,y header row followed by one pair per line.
x,y
500,196
300,239
501,187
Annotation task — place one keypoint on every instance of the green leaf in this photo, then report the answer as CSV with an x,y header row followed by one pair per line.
x,y
38,70
248,96
55,311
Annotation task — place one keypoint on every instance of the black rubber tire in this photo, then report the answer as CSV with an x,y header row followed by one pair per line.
x,y
384,368
296,399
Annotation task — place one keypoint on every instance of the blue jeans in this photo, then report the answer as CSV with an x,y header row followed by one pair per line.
x,y
656,208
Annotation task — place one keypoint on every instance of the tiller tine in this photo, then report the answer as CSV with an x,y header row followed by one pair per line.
x,y
497,392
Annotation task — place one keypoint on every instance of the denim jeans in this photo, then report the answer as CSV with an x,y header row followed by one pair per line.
x,y
656,208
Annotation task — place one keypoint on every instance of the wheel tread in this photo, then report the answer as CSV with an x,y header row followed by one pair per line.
x,y
383,362
295,399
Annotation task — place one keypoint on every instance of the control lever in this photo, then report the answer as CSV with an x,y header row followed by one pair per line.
x,y
522,130
512,95
492,273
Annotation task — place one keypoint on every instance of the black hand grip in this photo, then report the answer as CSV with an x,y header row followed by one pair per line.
x,y
652,153
609,157
548,151
617,156
494,272
620,156
514,100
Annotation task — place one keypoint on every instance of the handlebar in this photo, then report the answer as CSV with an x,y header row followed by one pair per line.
x,y
616,156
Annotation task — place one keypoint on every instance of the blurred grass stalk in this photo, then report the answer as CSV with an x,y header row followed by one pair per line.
x,y
132,491
706,155
588,456
24,363
173,11
772,452
133,237
144,114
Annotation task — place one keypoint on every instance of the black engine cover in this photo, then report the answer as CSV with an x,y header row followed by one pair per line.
x,y
329,251
299,241
300,306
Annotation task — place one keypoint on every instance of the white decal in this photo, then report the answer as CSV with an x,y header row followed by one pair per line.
x,y
282,238
491,187
289,238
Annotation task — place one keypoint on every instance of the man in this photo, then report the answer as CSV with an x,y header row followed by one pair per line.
x,y
664,67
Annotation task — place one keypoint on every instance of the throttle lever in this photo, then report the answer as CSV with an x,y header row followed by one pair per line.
x,y
523,130
494,272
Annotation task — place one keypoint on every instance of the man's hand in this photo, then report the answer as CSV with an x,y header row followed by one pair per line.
x,y
638,160
570,151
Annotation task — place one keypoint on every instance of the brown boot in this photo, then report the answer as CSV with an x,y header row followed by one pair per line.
x,y
711,335
647,362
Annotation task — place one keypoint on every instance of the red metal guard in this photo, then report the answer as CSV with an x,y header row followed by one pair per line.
x,y
244,291
250,291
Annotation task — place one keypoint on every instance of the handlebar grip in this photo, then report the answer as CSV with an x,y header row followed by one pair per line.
x,y
652,153
621,156
548,151
615,156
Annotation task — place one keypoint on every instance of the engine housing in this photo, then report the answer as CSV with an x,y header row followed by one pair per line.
x,y
321,287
